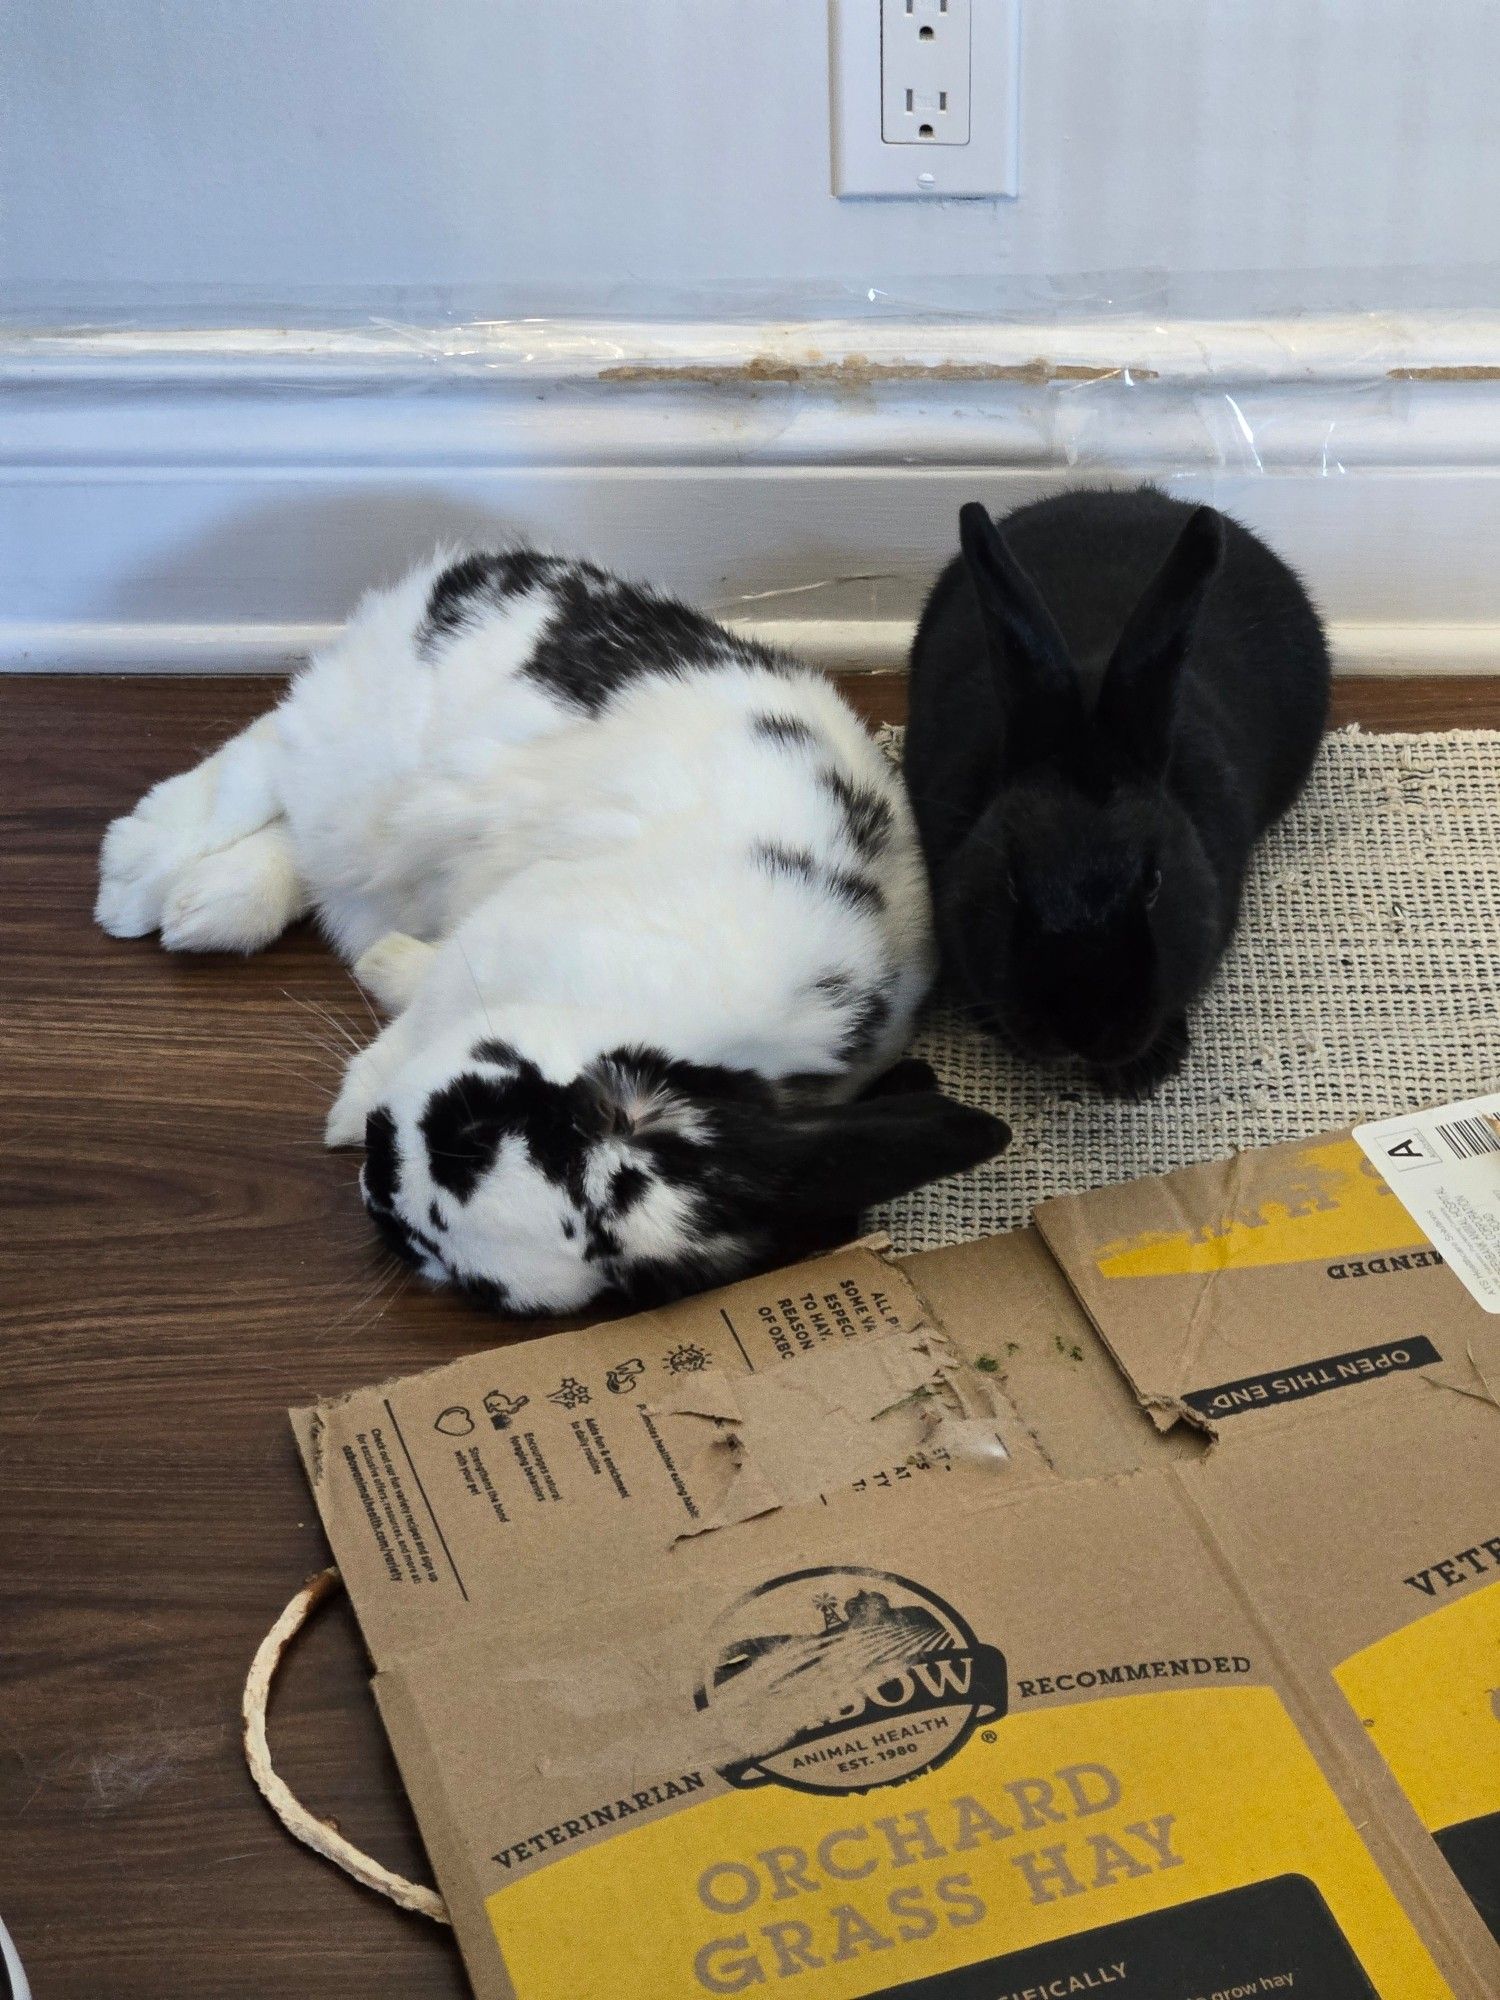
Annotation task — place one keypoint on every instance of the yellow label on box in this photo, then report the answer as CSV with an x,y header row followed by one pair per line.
x,y
1337,1205
1181,1831
1430,1697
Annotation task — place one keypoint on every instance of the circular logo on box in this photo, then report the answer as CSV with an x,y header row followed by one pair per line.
x,y
837,1680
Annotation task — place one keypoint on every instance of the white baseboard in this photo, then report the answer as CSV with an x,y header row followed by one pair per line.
x,y
843,646
216,502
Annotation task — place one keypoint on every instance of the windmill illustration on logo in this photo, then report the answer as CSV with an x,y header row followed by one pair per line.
x,y
807,1661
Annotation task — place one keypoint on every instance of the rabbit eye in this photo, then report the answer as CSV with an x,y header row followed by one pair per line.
x,y
1153,887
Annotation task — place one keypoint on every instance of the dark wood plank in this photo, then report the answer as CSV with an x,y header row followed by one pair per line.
x,y
181,1257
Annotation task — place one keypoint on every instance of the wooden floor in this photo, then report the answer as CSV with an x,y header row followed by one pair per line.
x,y
179,1253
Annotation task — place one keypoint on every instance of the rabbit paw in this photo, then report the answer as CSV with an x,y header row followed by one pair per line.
x,y
392,970
239,899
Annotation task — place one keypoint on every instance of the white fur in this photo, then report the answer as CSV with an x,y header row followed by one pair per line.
x,y
495,863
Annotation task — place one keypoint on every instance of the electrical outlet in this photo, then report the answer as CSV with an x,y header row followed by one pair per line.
x,y
924,72
925,97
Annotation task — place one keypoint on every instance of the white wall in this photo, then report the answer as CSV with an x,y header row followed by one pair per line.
x,y
323,188
266,160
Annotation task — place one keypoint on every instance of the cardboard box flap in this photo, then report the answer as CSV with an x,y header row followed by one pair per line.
x,y
1261,1282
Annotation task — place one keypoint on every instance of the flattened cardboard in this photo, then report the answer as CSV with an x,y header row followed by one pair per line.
x,y
857,1565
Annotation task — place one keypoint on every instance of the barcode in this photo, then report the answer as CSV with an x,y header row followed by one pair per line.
x,y
1467,1137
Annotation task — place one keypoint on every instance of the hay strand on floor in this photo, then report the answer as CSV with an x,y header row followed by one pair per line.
x,y
319,1834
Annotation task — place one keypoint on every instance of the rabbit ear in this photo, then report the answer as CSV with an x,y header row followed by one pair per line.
x,y
1029,657
1139,690
853,1155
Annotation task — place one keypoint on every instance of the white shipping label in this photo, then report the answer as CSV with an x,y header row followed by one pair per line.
x,y
1443,1167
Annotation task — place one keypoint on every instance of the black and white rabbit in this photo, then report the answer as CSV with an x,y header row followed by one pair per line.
x,y
643,900
1113,695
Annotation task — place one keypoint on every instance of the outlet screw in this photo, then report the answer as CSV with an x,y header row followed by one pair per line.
x,y
926,180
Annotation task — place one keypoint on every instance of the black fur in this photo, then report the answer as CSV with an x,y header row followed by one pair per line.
x,y
784,729
794,861
867,816
466,1123
602,634
1112,697
382,1165
479,583
911,1073
867,1022
462,1129
858,891
626,1189
606,633
866,1010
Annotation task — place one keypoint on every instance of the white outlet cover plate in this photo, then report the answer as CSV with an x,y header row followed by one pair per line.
x,y
864,165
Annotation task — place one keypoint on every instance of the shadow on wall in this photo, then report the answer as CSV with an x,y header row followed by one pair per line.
x,y
303,560
300,560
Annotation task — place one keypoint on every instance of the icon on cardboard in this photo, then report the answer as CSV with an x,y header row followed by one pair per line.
x,y
502,1409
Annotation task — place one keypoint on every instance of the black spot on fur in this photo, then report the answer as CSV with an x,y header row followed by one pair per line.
x,y
606,634
867,1011
858,891
382,1163
487,1293
394,1234
499,1053
569,1228
678,1160
434,1216
601,1243
866,1025
792,861
463,1127
867,815
784,729
626,1189
468,1121
798,864
550,1117
478,584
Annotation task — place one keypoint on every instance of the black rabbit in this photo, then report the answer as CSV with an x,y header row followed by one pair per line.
x,y
1111,700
